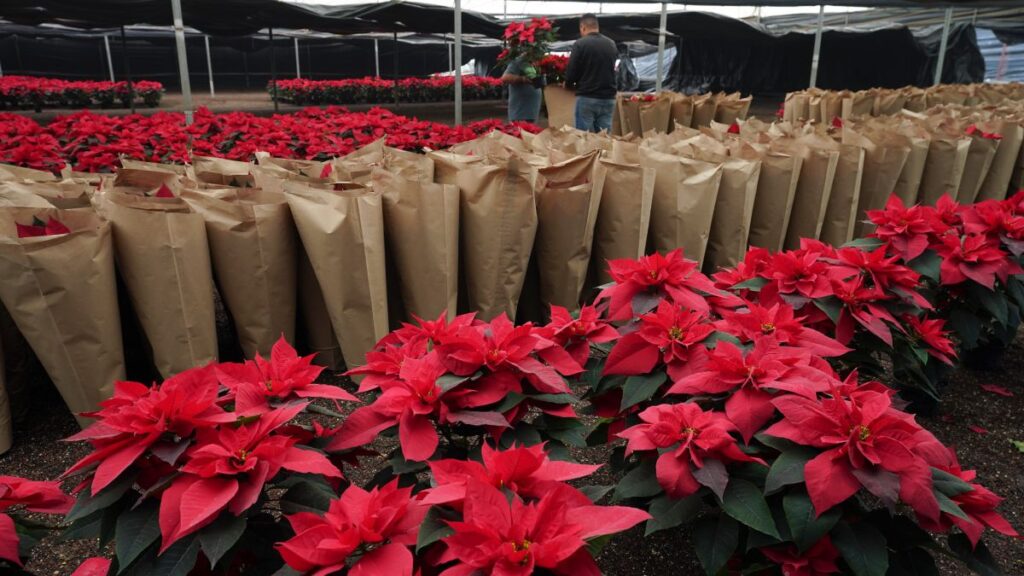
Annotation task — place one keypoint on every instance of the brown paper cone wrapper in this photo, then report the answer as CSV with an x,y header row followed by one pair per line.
x,y
65,302
421,224
841,213
498,221
997,182
776,190
682,111
915,101
862,103
447,165
343,235
629,116
884,160
164,259
656,116
734,209
561,106
889,102
316,321
253,249
831,106
290,166
817,174
568,199
617,116
908,185
16,195
624,217
704,108
979,160
795,107
731,109
143,166
685,193
944,168
357,166
495,145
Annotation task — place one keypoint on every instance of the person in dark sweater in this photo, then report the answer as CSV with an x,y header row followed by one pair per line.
x,y
591,73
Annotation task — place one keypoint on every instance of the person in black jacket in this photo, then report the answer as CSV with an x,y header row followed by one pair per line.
x,y
591,73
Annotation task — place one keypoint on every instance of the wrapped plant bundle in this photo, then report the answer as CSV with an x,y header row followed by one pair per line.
x,y
60,291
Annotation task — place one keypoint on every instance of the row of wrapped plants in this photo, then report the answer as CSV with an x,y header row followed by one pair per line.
x,y
377,90
754,405
90,142
33,93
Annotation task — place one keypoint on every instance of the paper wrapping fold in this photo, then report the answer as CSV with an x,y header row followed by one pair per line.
x,y
980,155
795,107
732,108
568,200
734,208
253,249
685,193
997,182
776,189
629,115
342,232
222,171
498,221
624,216
820,157
947,156
656,116
64,195
841,213
164,259
357,166
447,165
10,172
421,225
561,106
61,293
885,155
314,318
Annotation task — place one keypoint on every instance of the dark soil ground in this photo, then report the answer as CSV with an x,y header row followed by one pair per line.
x,y
39,453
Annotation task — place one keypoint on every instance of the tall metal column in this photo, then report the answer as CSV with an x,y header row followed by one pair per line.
x,y
661,46
376,56
127,69
817,46
458,62
298,73
110,61
395,75
942,47
179,40
273,68
209,64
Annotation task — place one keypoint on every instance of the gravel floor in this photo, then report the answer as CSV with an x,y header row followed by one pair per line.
x,y
39,453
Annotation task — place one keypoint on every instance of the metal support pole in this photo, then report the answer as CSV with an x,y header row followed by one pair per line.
x,y
127,68
395,75
661,46
450,60
273,69
458,62
179,40
209,64
298,73
376,56
110,61
815,58
942,47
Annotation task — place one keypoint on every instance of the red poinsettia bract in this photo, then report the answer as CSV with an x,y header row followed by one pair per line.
x,y
34,496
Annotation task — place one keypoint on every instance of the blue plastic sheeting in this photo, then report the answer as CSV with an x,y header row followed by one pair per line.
x,y
1003,63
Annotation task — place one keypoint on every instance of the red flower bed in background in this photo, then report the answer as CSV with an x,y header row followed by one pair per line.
x,y
91,142
21,92
371,90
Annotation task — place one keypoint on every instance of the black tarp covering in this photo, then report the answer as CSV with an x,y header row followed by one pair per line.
x,y
721,53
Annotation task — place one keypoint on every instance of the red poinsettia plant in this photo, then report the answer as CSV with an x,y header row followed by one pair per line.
x,y
49,227
552,67
528,42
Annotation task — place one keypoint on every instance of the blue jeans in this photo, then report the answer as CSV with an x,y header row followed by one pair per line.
x,y
594,114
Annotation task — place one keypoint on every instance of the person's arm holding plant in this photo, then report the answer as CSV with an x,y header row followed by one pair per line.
x,y
514,74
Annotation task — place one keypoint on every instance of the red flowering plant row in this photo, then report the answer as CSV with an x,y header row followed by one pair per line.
x,y
28,92
736,421
970,257
91,142
372,90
